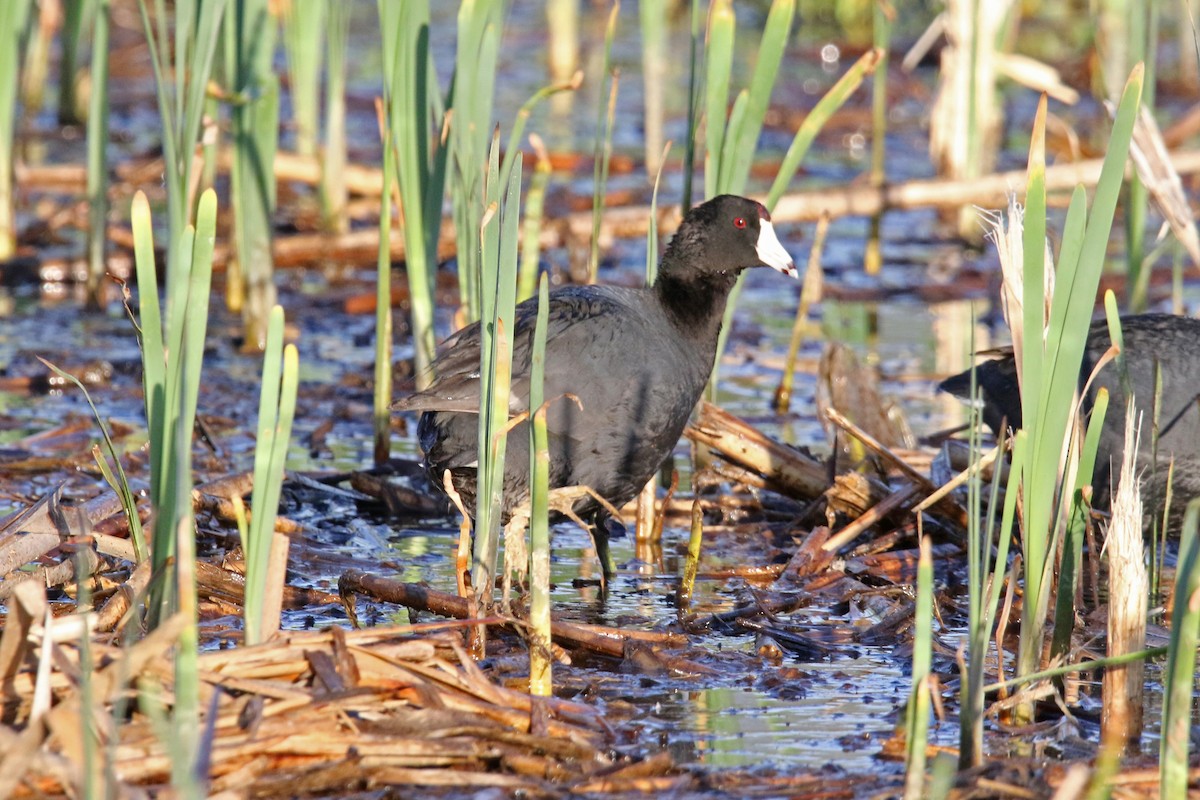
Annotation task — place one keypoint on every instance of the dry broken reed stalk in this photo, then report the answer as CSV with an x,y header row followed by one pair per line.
x,y
314,711
1121,721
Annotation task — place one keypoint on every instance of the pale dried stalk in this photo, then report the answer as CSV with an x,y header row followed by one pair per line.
x,y
1154,167
1121,720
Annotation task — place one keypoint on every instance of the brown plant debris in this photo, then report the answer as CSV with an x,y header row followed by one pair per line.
x,y
314,712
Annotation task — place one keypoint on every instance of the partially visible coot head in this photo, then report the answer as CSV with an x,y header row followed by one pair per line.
x,y
725,235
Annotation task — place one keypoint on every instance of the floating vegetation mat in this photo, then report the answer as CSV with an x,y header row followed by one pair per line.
x,y
312,712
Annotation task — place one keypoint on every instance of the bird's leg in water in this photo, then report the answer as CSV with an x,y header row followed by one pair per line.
x,y
563,501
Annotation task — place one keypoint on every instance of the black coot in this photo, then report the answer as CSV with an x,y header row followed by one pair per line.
x,y
1162,343
637,359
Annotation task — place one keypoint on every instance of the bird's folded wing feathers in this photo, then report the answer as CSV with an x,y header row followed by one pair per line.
x,y
457,387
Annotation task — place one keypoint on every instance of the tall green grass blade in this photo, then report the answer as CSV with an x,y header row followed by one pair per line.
x,y
535,199
718,56
919,700
181,103
970,727
693,105
762,82
540,677
334,195
1008,519
881,33
414,108
35,67
1034,271
1180,678
602,151
513,150
1079,278
276,410
1070,562
304,24
1140,22
729,149
150,332
13,15
652,224
184,746
87,698
384,339
470,130
74,22
172,381
97,145
500,238
652,17
255,123
194,313
821,113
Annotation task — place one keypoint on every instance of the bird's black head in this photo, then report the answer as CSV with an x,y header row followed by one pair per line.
x,y
725,235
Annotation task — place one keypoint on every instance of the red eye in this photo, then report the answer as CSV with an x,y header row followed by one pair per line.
x,y
739,222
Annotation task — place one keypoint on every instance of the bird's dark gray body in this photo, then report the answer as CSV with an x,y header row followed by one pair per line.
x,y
1153,344
622,428
624,367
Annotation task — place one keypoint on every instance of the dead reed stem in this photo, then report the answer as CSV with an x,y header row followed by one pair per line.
x,y
1121,719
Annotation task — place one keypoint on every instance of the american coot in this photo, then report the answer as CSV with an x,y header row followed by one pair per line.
x,y
1164,343
637,359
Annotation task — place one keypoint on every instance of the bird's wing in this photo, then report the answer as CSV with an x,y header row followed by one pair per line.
x,y
457,385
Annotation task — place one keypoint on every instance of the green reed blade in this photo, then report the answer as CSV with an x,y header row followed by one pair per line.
x,y
762,82
821,113
1180,678
13,15
181,103
506,295
513,150
733,140
540,675
75,13
919,700
304,24
97,169
471,98
494,382
251,40
150,326
1140,23
602,151
718,56
276,411
412,107
535,199
1033,269
689,148
254,546
334,196
652,224
195,311
384,338
652,20
970,728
